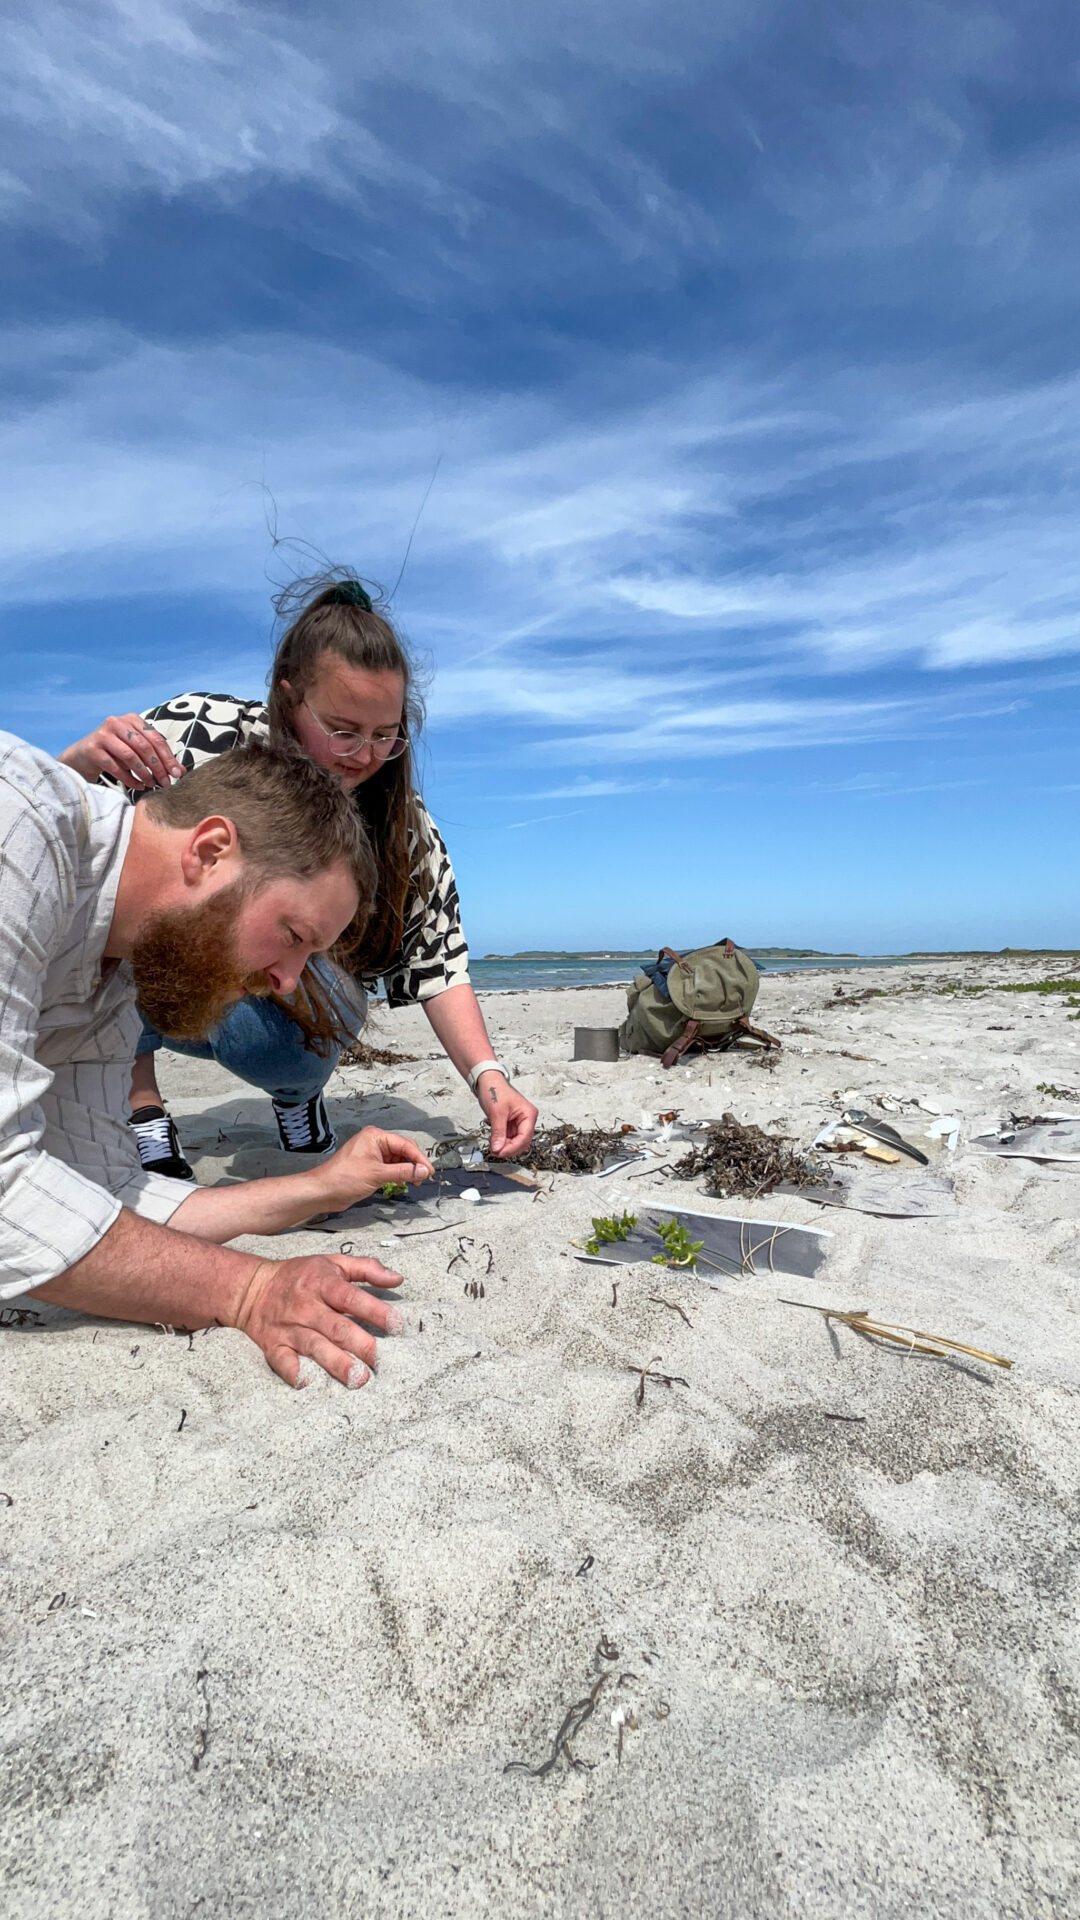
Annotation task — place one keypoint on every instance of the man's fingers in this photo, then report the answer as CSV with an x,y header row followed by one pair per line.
x,y
341,1363
407,1151
344,1333
356,1272
288,1365
412,1172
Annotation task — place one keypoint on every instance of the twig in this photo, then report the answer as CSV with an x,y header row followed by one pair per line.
x,y
659,1301
647,1373
934,1344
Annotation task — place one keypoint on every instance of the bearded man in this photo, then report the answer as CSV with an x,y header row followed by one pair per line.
x,y
226,884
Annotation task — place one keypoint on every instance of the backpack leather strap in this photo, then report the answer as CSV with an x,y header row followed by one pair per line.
x,y
690,1037
670,954
682,1045
757,1033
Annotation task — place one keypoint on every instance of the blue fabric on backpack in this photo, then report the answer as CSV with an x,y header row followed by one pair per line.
x,y
658,972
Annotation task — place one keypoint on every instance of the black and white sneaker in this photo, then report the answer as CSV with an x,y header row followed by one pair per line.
x,y
305,1128
159,1143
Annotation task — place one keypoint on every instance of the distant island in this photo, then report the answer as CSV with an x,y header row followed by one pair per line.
x,y
803,953
647,953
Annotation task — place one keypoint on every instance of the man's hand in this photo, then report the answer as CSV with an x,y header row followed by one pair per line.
x,y
513,1118
371,1159
127,748
307,1310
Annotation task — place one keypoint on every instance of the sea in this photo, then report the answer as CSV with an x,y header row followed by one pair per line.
x,y
521,972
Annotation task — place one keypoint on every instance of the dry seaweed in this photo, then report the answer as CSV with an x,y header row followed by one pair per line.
x,y
570,1149
933,1344
18,1317
360,1054
738,1159
572,1721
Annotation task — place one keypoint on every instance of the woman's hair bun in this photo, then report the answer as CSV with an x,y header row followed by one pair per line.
x,y
349,593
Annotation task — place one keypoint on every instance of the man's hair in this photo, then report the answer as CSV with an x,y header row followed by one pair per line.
x,y
292,818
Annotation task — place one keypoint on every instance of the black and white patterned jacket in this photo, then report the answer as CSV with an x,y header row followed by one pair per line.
x,y
433,954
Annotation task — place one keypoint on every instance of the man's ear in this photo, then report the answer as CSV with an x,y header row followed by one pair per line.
x,y
213,842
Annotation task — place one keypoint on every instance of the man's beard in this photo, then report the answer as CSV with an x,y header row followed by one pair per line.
x,y
187,969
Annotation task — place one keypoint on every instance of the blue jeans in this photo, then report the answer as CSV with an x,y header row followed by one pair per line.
x,y
261,1045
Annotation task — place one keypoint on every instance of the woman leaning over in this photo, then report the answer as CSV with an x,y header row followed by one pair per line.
x,y
342,689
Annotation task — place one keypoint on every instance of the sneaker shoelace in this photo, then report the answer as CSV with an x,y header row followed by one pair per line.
x,y
299,1124
155,1133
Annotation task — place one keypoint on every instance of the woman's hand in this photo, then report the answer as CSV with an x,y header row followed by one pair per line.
x,y
371,1159
128,749
513,1118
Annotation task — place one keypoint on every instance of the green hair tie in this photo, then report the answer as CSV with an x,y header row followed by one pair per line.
x,y
351,594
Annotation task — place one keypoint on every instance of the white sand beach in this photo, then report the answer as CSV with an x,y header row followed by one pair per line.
x,y
269,1653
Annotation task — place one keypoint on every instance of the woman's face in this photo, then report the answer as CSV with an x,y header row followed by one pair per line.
x,y
343,699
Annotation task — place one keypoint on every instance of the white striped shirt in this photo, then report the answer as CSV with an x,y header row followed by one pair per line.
x,y
68,1024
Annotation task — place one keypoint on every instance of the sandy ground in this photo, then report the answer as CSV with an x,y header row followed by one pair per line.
x,y
272,1658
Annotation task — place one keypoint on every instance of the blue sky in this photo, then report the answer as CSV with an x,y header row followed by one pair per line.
x,y
744,340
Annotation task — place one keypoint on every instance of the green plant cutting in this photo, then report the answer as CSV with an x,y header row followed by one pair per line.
x,y
606,1232
679,1249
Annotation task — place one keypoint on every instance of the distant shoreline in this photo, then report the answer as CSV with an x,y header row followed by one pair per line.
x,y
802,953
574,973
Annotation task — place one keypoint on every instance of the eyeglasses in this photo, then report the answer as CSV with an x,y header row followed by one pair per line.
x,y
342,744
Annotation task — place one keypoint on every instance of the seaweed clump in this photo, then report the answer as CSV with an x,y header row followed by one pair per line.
x,y
361,1055
569,1149
738,1159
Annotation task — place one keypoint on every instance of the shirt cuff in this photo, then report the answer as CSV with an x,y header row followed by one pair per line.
x,y
50,1217
153,1197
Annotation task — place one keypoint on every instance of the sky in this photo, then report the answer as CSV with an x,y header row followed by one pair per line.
x,y
720,362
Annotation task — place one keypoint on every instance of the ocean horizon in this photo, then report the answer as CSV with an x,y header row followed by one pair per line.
x,y
520,972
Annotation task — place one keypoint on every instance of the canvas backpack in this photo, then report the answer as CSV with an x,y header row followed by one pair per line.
x,y
701,999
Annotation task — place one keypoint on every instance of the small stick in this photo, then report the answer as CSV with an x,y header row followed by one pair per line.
x,y
614,1293
665,1379
659,1301
183,1417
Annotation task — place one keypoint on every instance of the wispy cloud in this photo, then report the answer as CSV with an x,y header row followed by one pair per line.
x,y
698,307
600,789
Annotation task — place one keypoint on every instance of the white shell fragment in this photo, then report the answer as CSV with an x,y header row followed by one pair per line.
x,y
471,1196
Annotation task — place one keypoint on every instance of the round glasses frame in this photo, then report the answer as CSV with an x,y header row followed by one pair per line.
x,y
355,742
